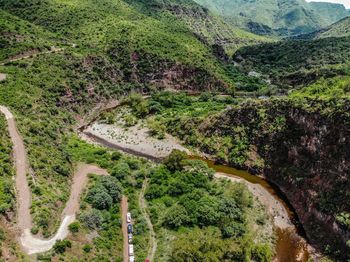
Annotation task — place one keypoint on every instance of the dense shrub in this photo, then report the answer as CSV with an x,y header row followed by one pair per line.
x,y
61,246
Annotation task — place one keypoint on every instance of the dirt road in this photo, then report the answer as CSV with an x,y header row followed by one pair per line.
x,y
152,235
124,211
31,55
30,243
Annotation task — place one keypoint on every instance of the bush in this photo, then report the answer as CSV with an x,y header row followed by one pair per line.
x,y
61,246
87,248
34,230
74,227
92,219
121,171
175,161
262,253
116,156
157,129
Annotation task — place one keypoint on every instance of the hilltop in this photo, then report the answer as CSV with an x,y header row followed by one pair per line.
x,y
282,17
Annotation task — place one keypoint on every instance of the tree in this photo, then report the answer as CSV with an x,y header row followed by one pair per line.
x,y
199,166
121,170
87,248
262,253
175,161
198,245
99,198
113,187
91,219
176,216
116,156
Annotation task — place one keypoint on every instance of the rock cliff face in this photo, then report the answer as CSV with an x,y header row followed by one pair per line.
x,y
306,152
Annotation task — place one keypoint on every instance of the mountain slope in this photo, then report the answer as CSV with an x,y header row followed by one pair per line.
x,y
339,29
108,49
281,17
209,28
294,63
152,46
330,12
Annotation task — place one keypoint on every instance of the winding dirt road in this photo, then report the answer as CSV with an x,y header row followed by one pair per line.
x,y
30,243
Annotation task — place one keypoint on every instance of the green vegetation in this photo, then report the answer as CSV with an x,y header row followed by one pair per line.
x,y
141,44
109,49
74,227
18,36
197,216
61,246
269,135
97,236
210,28
339,29
295,63
325,89
6,170
281,18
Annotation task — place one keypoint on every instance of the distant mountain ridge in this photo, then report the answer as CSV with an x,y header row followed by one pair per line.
x,y
338,29
277,17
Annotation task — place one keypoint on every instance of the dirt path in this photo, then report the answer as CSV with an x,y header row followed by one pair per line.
x,y
124,211
152,235
26,56
30,243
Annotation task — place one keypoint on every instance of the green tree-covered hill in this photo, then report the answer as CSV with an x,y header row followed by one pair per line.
x,y
281,17
160,43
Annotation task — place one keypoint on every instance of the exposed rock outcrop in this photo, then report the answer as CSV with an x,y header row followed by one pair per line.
x,y
306,152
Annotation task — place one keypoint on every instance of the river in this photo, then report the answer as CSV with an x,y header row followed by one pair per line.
x,y
290,245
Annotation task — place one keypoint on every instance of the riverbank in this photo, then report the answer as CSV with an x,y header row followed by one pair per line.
x,y
288,240
135,139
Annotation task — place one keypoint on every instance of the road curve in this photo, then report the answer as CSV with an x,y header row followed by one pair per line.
x,y
29,242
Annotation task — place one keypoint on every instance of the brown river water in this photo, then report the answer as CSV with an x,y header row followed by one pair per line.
x,y
290,244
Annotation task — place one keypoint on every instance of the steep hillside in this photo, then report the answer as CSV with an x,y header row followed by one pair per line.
x,y
18,36
209,28
339,29
155,50
300,143
294,63
107,49
330,12
304,150
282,17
